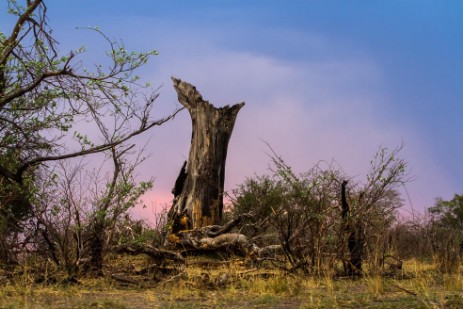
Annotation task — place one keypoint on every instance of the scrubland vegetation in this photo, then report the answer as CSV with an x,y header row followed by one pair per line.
x,y
288,240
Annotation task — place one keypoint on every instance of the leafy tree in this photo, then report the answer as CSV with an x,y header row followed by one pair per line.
x,y
259,196
446,229
48,100
449,213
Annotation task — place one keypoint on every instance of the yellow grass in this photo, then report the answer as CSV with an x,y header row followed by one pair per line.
x,y
231,285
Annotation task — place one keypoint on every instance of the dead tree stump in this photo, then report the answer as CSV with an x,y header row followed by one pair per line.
x,y
200,201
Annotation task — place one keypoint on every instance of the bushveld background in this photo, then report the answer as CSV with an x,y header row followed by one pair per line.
x,y
68,239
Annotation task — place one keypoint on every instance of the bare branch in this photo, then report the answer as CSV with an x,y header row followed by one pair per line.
x,y
96,149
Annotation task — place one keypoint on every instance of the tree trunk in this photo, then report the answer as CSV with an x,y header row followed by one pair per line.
x,y
200,202
96,247
355,236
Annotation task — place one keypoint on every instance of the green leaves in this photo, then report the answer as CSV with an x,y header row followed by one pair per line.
x,y
44,93
84,140
449,213
54,108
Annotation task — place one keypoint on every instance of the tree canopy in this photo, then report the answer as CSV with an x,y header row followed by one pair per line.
x,y
54,107
44,94
449,213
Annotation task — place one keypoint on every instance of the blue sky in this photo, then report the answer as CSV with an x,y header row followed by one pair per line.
x,y
322,80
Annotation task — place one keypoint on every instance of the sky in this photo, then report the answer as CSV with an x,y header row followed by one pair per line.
x,y
322,80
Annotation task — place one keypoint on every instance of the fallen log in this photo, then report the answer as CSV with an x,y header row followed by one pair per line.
x,y
197,240
216,230
153,252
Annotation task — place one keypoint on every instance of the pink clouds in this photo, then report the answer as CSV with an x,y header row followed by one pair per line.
x,y
153,202
329,98
307,111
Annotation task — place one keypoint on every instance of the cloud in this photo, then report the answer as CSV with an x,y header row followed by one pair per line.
x,y
332,108
312,97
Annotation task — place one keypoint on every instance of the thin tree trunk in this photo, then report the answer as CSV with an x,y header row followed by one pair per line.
x,y
355,238
200,202
96,241
96,249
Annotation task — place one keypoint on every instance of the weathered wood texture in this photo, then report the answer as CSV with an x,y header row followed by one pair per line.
x,y
200,202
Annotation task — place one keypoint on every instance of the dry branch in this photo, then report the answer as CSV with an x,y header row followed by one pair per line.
x,y
155,253
198,240
217,230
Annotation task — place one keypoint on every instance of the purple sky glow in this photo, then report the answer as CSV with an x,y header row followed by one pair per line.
x,y
322,80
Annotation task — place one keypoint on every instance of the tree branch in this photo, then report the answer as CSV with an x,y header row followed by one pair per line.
x,y
96,149
12,41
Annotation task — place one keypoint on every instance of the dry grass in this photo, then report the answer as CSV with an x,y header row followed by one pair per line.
x,y
231,285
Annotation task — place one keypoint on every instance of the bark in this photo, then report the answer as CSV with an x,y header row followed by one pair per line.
x,y
180,181
198,241
344,204
355,236
96,247
200,202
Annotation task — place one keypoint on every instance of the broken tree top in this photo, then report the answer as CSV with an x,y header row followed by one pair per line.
x,y
199,201
189,96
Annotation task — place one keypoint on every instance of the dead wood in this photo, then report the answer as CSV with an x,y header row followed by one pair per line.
x,y
252,276
229,239
155,253
178,187
125,279
269,251
209,263
199,202
216,230
197,240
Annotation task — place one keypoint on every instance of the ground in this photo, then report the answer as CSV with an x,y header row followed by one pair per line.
x,y
231,285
